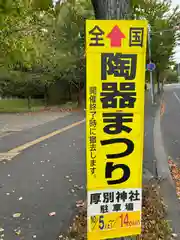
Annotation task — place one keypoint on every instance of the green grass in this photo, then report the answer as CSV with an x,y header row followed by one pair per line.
x,y
19,105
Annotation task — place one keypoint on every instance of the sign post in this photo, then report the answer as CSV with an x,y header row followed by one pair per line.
x,y
115,64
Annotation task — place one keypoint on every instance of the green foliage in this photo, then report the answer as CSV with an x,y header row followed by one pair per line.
x,y
162,19
42,5
41,44
171,76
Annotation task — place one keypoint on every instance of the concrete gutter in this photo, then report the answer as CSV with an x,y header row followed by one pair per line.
x,y
167,185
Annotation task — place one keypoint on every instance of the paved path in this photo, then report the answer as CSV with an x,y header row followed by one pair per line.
x,y
170,122
16,122
149,155
50,176
41,180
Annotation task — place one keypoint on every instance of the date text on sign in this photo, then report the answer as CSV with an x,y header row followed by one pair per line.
x,y
115,221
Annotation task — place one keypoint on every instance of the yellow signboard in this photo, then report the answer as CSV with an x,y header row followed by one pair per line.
x,y
116,59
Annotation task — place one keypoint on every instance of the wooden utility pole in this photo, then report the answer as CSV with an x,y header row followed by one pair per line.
x,y
112,9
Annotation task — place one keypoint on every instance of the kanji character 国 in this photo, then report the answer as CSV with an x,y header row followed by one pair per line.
x,y
136,37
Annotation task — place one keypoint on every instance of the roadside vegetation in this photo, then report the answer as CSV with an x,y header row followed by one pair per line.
x,y
42,52
154,223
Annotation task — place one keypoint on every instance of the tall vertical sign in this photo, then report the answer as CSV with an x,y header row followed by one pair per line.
x,y
115,63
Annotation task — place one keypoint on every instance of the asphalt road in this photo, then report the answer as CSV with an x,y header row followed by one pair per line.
x,y
50,177
47,177
170,121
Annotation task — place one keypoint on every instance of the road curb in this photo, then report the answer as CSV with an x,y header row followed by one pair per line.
x,y
167,185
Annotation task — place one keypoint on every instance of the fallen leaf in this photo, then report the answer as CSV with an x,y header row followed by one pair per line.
x,y
174,235
52,214
17,232
16,215
80,203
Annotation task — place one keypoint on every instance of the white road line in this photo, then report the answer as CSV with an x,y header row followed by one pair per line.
x,y
176,97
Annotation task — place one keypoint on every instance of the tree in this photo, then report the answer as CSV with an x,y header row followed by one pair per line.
x,y
69,40
162,20
25,47
112,9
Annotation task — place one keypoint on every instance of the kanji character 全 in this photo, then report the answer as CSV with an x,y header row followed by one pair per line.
x,y
97,36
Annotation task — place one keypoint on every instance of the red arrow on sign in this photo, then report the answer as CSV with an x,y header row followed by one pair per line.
x,y
116,36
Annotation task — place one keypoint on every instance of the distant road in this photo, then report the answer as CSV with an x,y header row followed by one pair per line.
x,y
170,122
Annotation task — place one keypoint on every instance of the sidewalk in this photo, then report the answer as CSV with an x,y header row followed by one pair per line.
x,y
149,160
17,122
29,134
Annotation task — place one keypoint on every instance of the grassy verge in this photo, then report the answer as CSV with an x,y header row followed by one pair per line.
x,y
154,225
19,105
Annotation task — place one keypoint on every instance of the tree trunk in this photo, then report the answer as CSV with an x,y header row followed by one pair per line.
x,y
70,92
46,98
158,82
112,9
80,98
29,102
